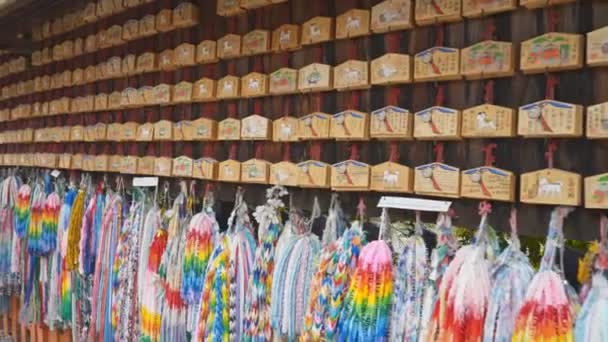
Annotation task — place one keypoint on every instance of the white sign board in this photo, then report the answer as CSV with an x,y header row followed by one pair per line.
x,y
55,173
416,204
145,181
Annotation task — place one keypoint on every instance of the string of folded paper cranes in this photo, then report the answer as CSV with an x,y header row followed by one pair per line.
x,y
122,248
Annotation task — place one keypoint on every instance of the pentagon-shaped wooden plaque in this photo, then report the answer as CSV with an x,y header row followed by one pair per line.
x,y
551,186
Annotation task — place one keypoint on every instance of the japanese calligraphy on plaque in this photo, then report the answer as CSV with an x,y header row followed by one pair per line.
x,y
549,118
254,85
205,168
163,130
597,121
487,59
256,127
349,125
489,183
391,15
145,165
286,38
391,122
206,52
184,54
229,46
102,163
477,8
437,11
314,126
437,63
130,30
391,177
204,129
437,179
164,22
255,171
228,7
596,191
128,131
162,94
285,129
229,129
204,90
352,23
350,175
256,42
317,30
147,25
352,74
552,51
185,15
542,3
315,77
182,167
228,87
551,186
145,132
162,166
597,47
487,121
392,68
437,123
182,92
182,131
283,81
284,173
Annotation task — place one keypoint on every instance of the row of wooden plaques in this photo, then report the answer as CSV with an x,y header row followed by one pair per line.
x,y
547,186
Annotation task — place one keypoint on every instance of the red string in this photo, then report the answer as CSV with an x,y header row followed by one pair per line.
x,y
259,149
232,24
318,54
440,95
439,35
552,82
208,188
231,68
490,30
393,151
317,102
352,50
231,110
394,94
315,150
485,208
551,148
438,152
234,147
286,151
287,106
488,151
354,100
354,151
392,41
489,92
361,207
257,106
553,18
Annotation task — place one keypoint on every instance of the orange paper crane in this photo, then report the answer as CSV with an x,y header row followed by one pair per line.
x,y
490,158
438,159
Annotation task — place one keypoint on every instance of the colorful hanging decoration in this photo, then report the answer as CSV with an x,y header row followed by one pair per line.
x,y
410,274
510,278
9,188
22,210
292,275
76,217
257,321
465,290
34,232
50,221
335,223
547,312
65,215
90,230
366,312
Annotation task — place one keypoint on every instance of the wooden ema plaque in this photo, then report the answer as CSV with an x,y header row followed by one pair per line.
x,y
149,95
314,126
283,81
128,165
256,127
229,129
166,60
114,67
252,4
114,131
164,20
88,162
77,161
182,131
65,161
487,59
551,52
204,90
205,168
349,125
89,134
314,174
163,130
551,186
285,129
114,100
115,35
286,38
228,87
182,92
114,163
391,177
185,15
350,75
101,102
100,131
256,42
542,3
163,166
204,129
130,30
77,77
475,8
147,62
596,191
597,47
597,121
392,68
437,179
162,94
488,183
438,11
229,46
102,163
317,30
284,173
391,122
229,171
128,131
227,8
353,23
315,77
255,171
391,15
147,26
254,85
350,175
436,64
206,52
549,118
437,123
182,167
76,133
184,55
488,121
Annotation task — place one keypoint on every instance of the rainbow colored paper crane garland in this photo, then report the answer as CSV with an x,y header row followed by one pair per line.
x,y
22,210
